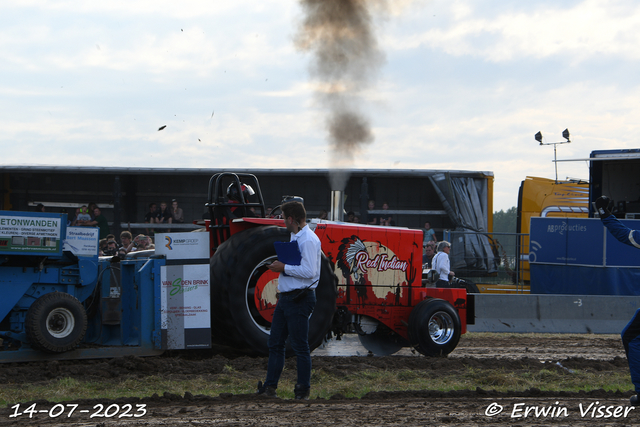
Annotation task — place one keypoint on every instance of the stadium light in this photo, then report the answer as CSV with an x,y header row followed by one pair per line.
x,y
565,135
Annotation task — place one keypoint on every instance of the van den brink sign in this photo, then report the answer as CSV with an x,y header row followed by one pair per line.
x,y
185,290
185,316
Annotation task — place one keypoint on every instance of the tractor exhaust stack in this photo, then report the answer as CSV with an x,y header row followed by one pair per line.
x,y
337,205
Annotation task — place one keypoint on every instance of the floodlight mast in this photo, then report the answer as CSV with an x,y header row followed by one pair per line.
x,y
565,135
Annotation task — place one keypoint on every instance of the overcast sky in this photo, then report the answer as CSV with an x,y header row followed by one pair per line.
x,y
459,85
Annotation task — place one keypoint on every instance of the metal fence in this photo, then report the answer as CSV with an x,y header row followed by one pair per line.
x,y
502,258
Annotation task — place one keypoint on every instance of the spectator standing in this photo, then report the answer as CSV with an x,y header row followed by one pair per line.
x,y
92,207
126,239
101,222
164,215
373,218
386,218
429,234
82,218
176,212
429,253
152,216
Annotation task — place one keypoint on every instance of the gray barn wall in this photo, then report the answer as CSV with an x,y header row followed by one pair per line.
x,y
403,190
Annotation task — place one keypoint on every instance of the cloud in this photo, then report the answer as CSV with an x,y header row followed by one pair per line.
x,y
144,36
492,128
144,8
575,32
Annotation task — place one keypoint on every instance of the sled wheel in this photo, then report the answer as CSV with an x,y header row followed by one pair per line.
x,y
56,322
434,327
382,342
245,290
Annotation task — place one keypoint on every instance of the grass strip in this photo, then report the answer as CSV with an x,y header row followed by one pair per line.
x,y
324,385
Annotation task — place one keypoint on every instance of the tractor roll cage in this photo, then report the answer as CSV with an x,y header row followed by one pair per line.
x,y
219,206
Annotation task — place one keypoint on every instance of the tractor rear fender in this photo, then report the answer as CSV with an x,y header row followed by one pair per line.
x,y
241,224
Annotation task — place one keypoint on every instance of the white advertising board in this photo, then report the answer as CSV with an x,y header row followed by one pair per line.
x,y
185,306
82,241
183,245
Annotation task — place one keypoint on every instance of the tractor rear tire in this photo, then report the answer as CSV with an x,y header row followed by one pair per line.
x,y
434,327
56,322
235,269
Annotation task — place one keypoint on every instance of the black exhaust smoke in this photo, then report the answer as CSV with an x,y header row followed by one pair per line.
x,y
345,62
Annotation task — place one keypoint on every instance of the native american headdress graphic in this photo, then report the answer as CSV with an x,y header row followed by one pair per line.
x,y
347,252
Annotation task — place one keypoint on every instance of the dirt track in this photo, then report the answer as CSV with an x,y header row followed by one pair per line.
x,y
425,407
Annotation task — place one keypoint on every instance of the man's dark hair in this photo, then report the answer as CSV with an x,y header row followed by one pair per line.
x,y
295,210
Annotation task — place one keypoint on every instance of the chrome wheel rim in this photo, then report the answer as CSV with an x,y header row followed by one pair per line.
x,y
441,328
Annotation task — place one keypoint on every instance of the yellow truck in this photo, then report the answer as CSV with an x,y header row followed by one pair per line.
x,y
542,197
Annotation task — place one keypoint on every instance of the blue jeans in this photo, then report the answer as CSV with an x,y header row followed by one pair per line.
x,y
290,319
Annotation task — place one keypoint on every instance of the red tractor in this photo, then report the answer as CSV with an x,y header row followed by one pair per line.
x,y
370,283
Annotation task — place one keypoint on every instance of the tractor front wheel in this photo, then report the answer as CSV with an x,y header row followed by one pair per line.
x,y
56,322
434,327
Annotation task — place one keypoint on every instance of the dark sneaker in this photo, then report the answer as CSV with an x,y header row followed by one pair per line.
x,y
266,390
634,400
301,392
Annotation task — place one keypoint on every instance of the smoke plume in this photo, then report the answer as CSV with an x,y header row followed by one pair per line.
x,y
345,62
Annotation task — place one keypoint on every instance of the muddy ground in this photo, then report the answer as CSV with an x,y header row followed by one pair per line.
x,y
424,407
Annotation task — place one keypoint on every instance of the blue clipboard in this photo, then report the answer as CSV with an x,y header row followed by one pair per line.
x,y
288,252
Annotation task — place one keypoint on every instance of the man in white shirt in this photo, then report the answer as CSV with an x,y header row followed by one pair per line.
x,y
441,264
297,299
